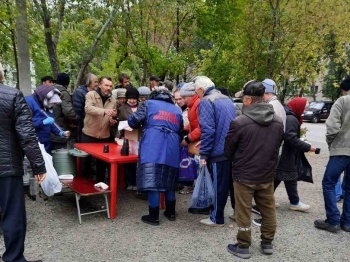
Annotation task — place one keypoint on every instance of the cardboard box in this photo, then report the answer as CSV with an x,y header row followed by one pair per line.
x,y
134,135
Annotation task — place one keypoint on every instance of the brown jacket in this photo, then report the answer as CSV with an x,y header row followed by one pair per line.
x,y
96,123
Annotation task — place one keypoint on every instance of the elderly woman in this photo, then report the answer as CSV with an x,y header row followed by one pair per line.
x,y
286,169
159,152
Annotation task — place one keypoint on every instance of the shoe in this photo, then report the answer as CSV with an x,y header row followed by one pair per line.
x,y
199,211
255,210
186,190
345,228
299,207
153,217
267,248
170,210
242,252
323,224
257,222
208,222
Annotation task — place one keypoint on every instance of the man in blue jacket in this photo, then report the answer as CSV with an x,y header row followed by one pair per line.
x,y
216,111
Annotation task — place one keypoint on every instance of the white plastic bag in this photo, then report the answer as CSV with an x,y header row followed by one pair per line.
x,y
51,183
203,195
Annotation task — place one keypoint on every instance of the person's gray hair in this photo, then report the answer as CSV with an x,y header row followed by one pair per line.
x,y
203,82
1,73
88,79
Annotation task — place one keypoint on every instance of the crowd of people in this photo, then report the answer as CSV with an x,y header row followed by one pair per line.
x,y
247,155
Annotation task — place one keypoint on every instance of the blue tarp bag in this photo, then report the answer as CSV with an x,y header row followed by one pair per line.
x,y
203,195
188,166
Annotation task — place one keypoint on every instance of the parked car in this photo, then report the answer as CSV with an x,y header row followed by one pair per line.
x,y
317,110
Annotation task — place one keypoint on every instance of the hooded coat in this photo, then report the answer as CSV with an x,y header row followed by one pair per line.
x,y
159,151
254,139
36,104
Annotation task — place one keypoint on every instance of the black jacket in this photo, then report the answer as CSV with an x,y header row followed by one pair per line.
x,y
17,135
292,143
253,140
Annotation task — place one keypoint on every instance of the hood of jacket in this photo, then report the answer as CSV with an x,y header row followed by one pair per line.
x,y
261,113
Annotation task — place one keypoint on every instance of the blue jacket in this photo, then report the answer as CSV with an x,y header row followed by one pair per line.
x,y
78,100
42,131
159,152
216,111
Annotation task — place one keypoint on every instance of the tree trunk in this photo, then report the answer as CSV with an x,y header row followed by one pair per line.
x,y
23,71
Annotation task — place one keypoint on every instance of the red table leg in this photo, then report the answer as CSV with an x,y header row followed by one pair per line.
x,y
78,166
162,200
114,190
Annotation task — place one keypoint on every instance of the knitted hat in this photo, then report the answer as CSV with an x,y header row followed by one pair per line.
x,y
63,79
132,92
187,90
144,91
345,85
270,86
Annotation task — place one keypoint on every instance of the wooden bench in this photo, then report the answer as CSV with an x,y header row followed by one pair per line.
x,y
85,187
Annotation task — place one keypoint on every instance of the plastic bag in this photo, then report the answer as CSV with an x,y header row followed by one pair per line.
x,y
188,166
203,195
304,168
51,183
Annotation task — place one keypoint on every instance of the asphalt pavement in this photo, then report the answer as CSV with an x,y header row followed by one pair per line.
x,y
54,233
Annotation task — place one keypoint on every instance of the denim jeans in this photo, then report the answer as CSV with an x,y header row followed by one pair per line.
x,y
339,189
154,198
336,165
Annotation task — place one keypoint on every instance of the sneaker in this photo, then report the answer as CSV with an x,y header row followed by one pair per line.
x,y
267,248
186,190
255,210
299,207
323,224
345,228
208,222
257,222
242,252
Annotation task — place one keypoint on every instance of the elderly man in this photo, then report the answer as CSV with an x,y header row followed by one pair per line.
x,y
91,82
216,111
64,113
17,137
253,141
100,108
270,97
338,140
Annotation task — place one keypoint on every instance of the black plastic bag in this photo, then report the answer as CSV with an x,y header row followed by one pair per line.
x,y
304,169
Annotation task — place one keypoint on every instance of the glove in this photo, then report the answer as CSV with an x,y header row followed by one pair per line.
x,y
48,121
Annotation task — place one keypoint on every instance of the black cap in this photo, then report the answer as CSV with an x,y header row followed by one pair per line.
x,y
63,79
154,78
252,88
345,84
132,92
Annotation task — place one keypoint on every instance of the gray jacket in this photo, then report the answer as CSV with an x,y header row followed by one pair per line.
x,y
338,127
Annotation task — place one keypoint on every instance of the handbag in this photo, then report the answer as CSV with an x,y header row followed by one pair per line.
x,y
192,149
188,166
304,168
203,195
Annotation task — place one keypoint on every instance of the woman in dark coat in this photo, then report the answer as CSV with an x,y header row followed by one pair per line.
x,y
286,169
124,111
159,152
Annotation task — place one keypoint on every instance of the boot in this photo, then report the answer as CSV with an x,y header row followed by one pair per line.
x,y
153,217
170,210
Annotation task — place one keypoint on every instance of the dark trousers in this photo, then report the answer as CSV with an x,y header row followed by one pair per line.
x,y
14,224
100,165
292,190
263,195
222,179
